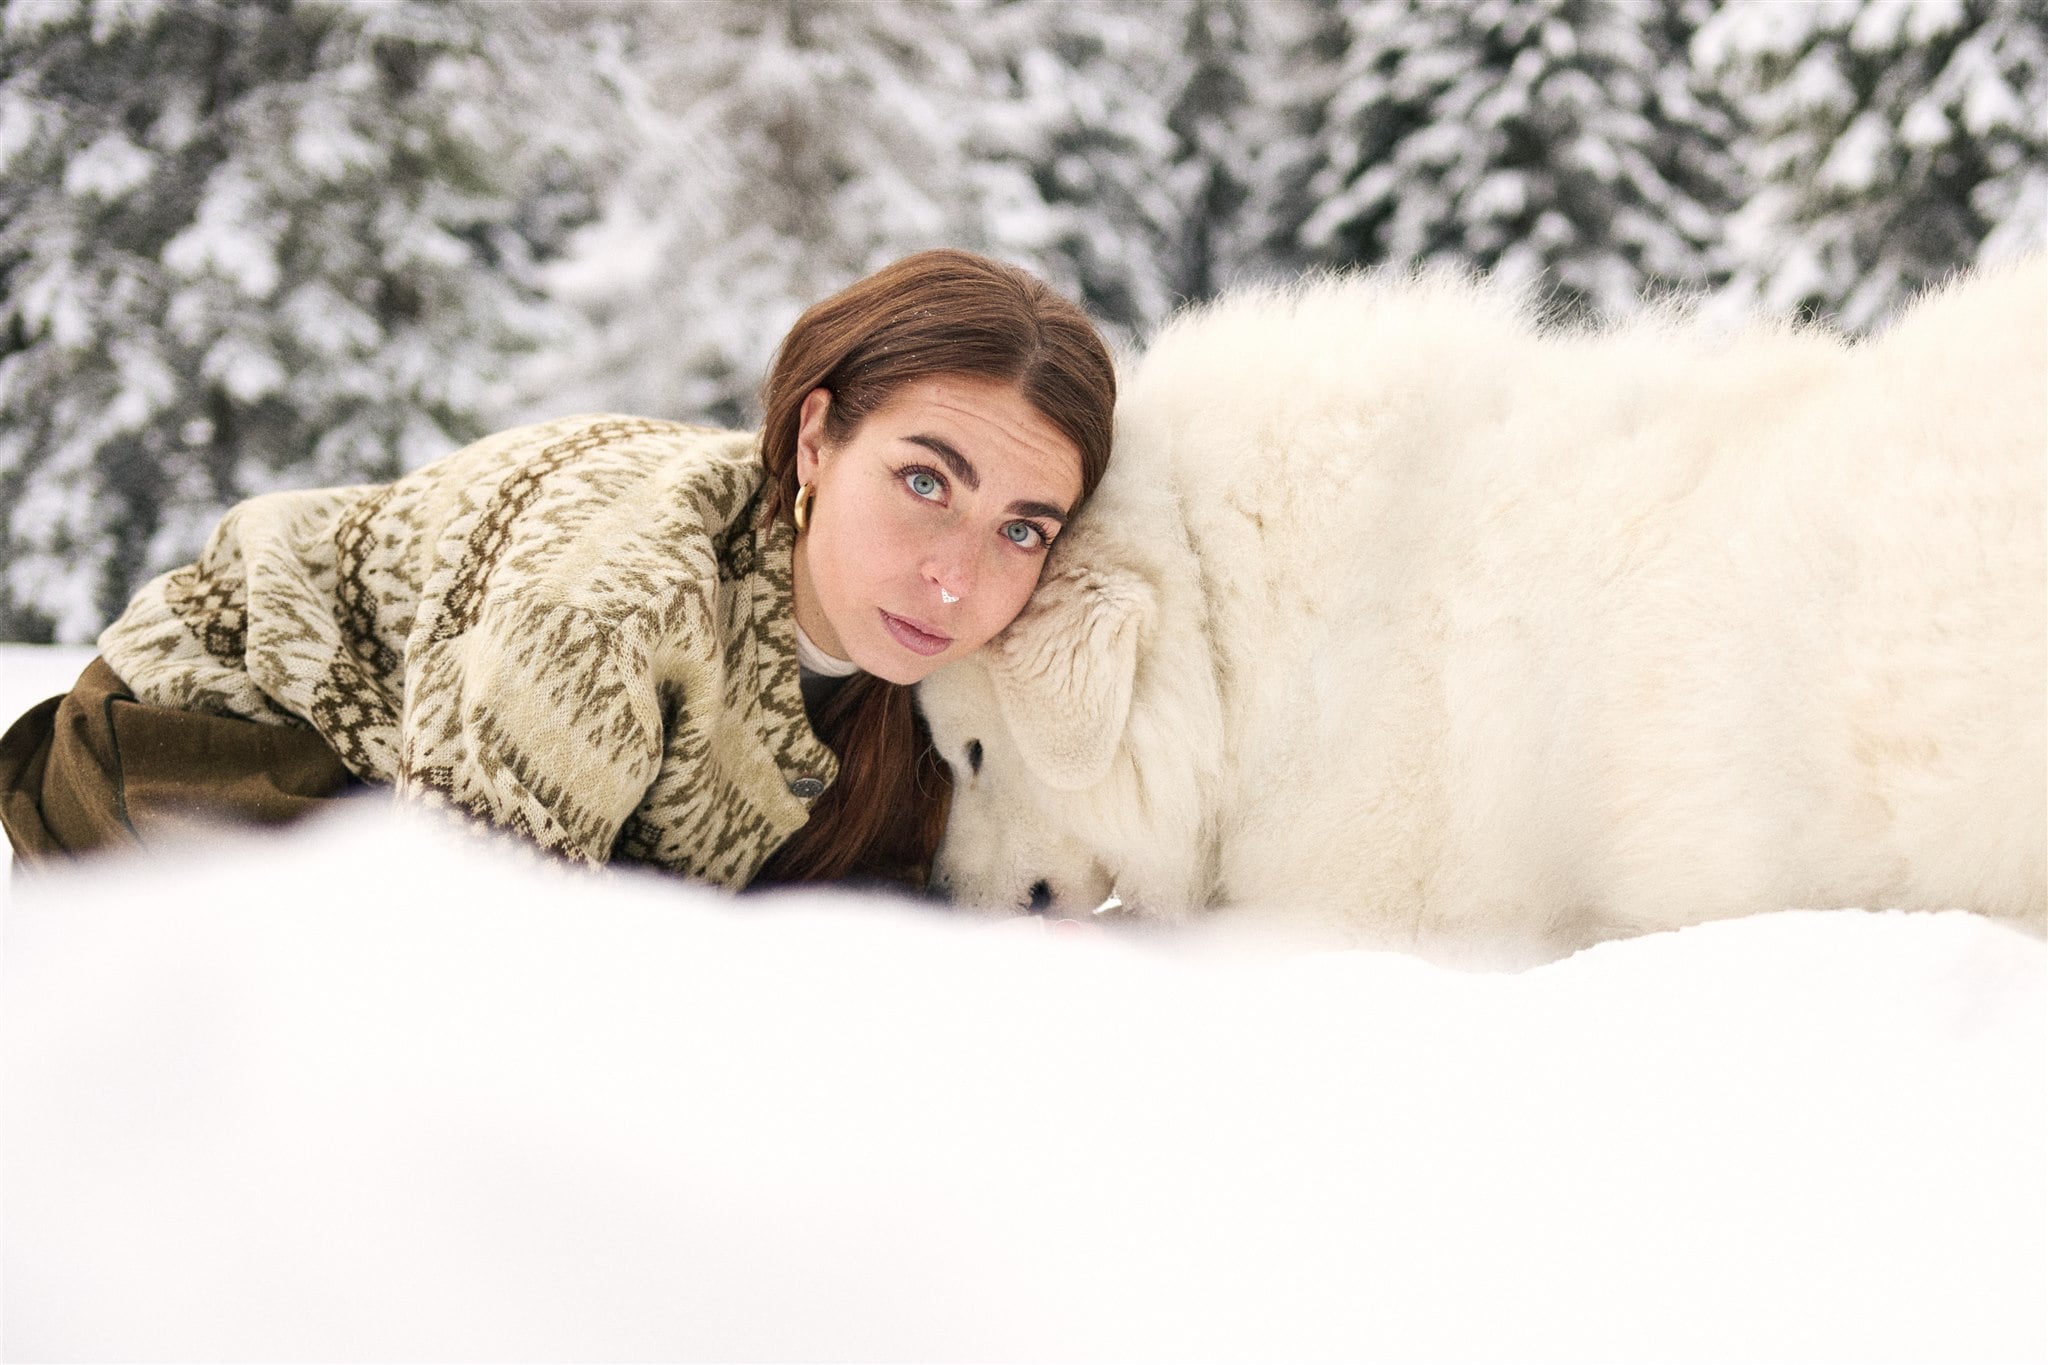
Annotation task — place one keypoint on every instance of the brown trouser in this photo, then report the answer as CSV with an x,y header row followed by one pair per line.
x,y
96,768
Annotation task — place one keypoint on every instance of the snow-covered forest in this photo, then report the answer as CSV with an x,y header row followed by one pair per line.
x,y
252,244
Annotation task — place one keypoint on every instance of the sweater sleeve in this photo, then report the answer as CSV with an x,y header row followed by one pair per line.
x,y
568,610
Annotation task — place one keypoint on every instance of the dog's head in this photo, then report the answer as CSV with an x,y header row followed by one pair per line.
x,y
1062,792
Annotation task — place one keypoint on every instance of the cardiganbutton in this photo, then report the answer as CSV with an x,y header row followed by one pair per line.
x,y
808,788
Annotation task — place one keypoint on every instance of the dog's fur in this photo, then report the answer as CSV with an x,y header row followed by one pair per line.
x,y
1456,633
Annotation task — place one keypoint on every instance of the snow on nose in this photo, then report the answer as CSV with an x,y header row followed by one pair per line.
x,y
949,566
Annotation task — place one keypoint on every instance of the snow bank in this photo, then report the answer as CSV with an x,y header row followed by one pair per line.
x,y
29,673
364,1093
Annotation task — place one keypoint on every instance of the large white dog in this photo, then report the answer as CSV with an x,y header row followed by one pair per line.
x,y
1455,633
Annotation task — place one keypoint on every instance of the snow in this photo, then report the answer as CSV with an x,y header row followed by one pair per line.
x,y
229,237
1925,125
1989,104
1858,155
243,371
108,168
18,121
29,673
374,1091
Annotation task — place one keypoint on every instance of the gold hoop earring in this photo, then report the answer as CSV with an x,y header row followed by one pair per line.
x,y
801,512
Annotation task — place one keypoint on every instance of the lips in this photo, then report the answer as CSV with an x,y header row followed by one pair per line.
x,y
916,638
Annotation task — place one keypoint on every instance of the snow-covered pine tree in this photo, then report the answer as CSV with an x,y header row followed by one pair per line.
x,y
1304,45
1138,124
247,244
768,154
1700,150
1215,119
1529,137
1894,142
1075,106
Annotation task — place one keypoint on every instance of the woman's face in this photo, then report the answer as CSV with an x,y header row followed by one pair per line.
x,y
929,523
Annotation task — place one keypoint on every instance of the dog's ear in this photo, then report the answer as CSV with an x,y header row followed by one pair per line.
x,y
1065,668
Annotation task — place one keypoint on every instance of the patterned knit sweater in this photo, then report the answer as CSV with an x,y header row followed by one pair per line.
x,y
575,631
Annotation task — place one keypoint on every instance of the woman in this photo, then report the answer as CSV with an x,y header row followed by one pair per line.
x,y
620,638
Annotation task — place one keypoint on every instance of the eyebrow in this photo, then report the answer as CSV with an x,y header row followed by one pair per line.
x,y
965,471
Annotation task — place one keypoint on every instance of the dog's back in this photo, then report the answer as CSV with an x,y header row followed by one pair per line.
x,y
1592,632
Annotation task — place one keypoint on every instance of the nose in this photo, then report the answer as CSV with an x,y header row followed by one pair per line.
x,y
950,567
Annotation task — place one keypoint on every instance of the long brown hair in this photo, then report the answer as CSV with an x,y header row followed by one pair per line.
x,y
934,313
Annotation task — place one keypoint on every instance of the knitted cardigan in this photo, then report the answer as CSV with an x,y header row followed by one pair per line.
x,y
576,631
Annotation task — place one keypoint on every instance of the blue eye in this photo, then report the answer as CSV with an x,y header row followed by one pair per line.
x,y
1021,533
924,483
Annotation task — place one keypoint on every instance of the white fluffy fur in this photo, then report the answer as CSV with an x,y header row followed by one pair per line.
x,y
1485,639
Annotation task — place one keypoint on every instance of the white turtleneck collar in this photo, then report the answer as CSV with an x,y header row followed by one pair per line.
x,y
812,659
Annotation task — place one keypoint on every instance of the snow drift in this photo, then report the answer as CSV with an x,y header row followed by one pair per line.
x,y
368,1093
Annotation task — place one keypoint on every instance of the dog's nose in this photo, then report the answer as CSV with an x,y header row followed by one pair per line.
x,y
1041,898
